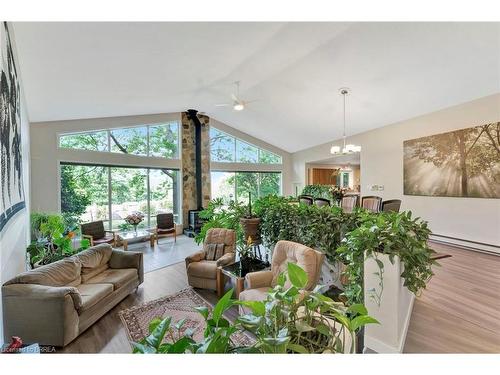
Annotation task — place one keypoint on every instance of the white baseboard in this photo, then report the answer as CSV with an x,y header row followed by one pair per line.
x,y
466,244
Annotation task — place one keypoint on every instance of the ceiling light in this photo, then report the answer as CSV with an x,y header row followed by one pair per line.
x,y
347,148
238,106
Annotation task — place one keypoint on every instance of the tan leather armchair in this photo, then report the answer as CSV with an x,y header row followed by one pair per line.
x,y
219,249
258,283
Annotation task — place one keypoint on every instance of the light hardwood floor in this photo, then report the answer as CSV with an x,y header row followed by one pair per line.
x,y
457,313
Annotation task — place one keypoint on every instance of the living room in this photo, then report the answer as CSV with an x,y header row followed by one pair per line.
x,y
326,186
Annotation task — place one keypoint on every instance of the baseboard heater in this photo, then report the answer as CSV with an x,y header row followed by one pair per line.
x,y
466,244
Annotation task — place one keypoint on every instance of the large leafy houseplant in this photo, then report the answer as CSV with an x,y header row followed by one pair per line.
x,y
51,239
217,215
393,234
289,320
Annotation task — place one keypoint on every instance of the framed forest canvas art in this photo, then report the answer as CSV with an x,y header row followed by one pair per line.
x,y
11,174
462,163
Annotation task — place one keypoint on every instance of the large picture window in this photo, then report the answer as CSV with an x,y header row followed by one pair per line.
x,y
110,193
236,185
158,140
226,148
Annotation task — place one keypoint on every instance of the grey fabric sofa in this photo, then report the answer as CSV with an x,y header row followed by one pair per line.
x,y
53,304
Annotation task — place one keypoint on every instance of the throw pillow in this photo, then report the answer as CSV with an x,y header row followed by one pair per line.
x,y
210,251
219,251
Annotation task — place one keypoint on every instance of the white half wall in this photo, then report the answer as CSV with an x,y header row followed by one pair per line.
x,y
394,311
470,219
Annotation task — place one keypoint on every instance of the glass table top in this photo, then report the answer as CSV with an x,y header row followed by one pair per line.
x,y
141,233
236,269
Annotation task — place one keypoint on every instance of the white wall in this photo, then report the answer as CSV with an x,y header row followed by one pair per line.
x,y
382,164
46,155
15,235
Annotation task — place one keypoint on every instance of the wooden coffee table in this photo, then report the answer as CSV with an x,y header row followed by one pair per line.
x,y
133,236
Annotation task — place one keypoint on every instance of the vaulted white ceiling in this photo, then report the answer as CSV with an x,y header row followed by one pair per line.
x,y
294,70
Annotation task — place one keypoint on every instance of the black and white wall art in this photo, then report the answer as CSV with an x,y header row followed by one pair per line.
x,y
12,198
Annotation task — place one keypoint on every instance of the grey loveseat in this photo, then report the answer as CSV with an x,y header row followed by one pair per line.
x,y
53,304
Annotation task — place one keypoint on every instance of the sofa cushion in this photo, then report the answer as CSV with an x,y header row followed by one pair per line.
x,y
95,256
94,260
205,269
89,273
63,272
118,277
93,293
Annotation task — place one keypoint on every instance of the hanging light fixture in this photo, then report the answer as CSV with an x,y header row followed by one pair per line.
x,y
346,148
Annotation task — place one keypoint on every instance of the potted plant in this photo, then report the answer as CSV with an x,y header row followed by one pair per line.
x,y
246,254
251,224
53,241
289,320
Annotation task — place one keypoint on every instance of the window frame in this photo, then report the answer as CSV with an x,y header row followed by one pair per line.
x,y
235,195
109,223
117,128
235,151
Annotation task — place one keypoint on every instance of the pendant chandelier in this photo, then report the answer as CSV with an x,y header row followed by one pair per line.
x,y
346,148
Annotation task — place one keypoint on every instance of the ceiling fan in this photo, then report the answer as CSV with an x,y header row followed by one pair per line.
x,y
238,103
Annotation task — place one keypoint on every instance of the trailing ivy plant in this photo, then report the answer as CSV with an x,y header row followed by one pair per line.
x,y
318,227
393,234
289,320
342,237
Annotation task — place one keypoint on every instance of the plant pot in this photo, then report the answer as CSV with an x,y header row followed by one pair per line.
x,y
344,280
251,228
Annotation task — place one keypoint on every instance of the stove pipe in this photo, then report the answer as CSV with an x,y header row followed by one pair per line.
x,y
192,115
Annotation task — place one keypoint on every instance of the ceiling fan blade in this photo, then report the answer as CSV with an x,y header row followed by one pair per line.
x,y
223,105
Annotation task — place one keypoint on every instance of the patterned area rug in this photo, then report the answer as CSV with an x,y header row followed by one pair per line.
x,y
178,306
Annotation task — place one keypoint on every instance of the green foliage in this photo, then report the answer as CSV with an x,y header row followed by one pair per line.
x,y
51,239
342,237
318,227
391,233
217,334
318,191
289,320
74,199
217,215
